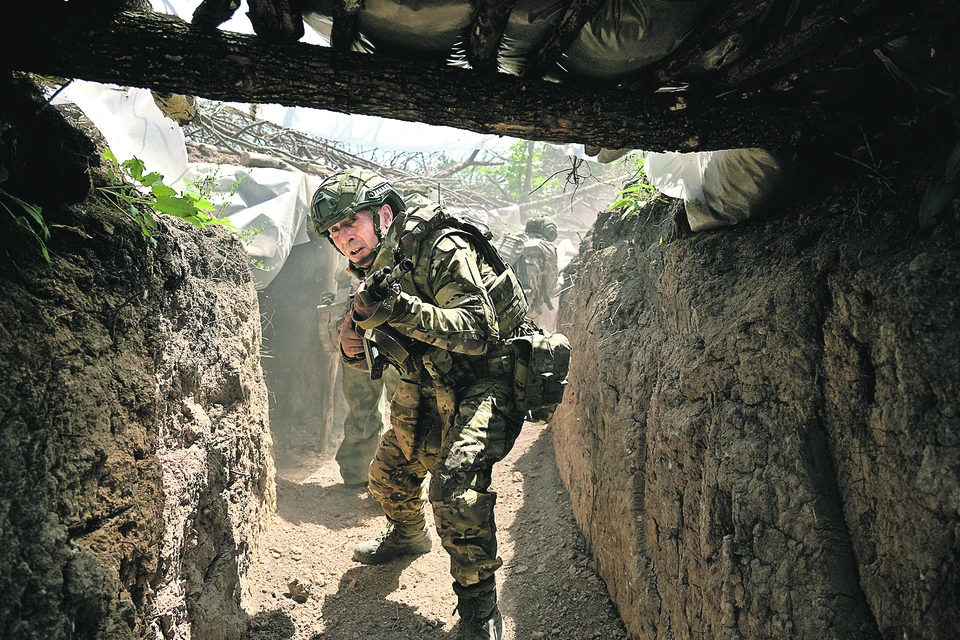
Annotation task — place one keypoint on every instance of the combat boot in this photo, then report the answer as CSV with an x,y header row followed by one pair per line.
x,y
411,538
480,617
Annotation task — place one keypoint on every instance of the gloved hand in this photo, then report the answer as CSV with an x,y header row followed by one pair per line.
x,y
351,344
365,304
370,310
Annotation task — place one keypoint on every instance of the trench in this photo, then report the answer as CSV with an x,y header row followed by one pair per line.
x,y
303,583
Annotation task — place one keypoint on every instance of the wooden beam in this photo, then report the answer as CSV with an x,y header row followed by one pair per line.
x,y
164,53
488,21
344,29
561,36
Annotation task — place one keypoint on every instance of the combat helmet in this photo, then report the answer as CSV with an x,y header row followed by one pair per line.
x,y
543,226
421,194
342,195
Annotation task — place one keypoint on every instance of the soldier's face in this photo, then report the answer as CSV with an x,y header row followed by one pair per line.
x,y
356,238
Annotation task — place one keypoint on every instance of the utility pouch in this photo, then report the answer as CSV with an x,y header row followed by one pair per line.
x,y
543,362
445,368
330,313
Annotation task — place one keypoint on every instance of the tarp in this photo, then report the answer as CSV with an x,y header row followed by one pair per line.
x,y
718,188
273,201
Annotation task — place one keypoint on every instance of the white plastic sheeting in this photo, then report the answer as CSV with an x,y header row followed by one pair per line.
x,y
719,188
133,125
273,201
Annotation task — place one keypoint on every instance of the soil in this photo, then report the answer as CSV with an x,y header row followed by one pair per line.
x,y
306,586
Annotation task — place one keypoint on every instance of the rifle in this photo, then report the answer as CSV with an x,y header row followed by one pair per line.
x,y
376,288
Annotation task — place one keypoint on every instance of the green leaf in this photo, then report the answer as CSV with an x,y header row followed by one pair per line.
x,y
204,205
161,189
953,164
108,155
937,197
178,207
135,167
150,179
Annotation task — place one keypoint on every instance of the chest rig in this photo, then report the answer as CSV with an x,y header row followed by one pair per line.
x,y
422,229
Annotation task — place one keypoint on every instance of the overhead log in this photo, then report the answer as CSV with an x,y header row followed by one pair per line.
x,y
165,54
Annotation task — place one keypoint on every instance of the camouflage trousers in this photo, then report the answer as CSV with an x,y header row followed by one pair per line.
x,y
364,423
456,439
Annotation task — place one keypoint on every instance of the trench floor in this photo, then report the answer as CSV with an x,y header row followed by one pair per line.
x,y
306,586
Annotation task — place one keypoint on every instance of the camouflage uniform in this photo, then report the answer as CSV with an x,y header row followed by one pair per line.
x,y
453,414
540,258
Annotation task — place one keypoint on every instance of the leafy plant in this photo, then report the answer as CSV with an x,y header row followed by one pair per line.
x,y
143,196
32,224
635,195
943,188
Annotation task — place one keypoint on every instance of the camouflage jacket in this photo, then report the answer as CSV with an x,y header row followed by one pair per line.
x,y
445,305
540,264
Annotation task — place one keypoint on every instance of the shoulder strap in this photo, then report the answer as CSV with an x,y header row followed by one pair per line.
x,y
426,220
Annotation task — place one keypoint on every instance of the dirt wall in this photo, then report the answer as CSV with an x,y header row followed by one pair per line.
x,y
135,467
759,436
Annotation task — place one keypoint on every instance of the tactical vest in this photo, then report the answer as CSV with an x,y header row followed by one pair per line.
x,y
541,361
426,226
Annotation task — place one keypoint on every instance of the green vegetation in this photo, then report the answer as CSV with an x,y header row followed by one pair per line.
x,y
636,193
144,196
32,224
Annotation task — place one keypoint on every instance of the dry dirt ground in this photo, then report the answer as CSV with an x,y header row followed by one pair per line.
x,y
307,587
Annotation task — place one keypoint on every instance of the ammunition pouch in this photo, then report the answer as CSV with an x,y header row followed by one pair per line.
x,y
540,375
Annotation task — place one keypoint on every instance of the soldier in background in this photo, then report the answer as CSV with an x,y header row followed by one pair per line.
x,y
533,257
364,422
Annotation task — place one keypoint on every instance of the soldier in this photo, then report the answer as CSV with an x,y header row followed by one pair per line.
x,y
363,425
444,323
540,264
533,257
